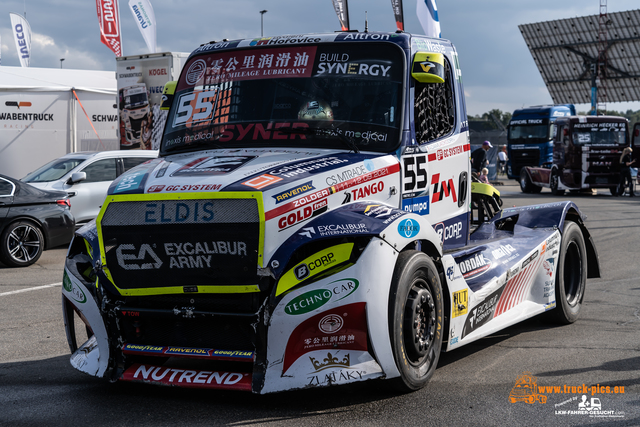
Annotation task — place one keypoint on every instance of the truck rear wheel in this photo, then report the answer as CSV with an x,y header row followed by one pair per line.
x,y
415,319
571,275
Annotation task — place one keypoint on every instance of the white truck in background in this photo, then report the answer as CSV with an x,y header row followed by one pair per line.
x,y
140,80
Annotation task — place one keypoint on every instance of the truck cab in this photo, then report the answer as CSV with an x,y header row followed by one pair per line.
x,y
530,135
586,155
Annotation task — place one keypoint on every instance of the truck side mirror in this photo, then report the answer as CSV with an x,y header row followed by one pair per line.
x,y
167,95
428,67
77,177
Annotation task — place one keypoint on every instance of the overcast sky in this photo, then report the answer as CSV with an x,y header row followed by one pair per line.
x,y
497,68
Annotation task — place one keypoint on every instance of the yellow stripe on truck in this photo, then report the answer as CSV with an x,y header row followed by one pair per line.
x,y
232,289
314,265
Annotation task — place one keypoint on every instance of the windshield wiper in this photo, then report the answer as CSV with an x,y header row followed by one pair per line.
x,y
349,142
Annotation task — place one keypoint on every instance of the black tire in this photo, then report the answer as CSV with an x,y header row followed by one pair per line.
x,y
614,191
536,189
571,275
553,184
525,182
415,320
21,244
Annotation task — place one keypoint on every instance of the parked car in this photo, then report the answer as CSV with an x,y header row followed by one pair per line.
x,y
31,220
86,176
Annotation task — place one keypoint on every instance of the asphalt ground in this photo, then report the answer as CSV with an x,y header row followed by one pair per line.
x,y
470,387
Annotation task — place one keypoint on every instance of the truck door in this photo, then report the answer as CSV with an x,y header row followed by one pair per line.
x,y
635,144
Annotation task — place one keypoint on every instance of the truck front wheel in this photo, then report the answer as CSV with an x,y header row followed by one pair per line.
x,y
415,319
526,185
571,275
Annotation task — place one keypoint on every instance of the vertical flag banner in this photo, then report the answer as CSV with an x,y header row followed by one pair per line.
x,y
427,12
109,21
22,36
398,13
146,19
342,10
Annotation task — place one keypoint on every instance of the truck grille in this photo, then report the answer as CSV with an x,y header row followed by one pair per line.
x,y
521,158
187,243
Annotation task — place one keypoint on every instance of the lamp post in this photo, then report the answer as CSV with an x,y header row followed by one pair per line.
x,y
262,12
61,59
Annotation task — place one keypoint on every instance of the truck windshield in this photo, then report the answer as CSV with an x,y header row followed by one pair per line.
x,y
599,134
135,100
322,96
529,131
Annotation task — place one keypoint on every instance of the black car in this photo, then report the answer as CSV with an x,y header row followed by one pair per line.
x,y
31,220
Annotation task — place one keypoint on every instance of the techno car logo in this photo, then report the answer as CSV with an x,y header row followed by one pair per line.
x,y
196,71
331,324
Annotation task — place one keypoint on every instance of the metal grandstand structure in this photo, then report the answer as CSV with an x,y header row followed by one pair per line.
x,y
590,59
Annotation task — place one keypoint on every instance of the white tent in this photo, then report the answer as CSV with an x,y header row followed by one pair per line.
x,y
48,112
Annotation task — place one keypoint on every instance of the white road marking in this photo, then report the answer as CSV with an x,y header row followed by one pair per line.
x,y
30,289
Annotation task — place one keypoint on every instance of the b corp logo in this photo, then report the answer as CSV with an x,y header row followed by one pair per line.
x,y
301,271
452,231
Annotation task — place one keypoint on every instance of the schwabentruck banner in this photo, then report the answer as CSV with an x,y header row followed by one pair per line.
x,y
398,13
143,14
342,10
427,12
109,21
22,36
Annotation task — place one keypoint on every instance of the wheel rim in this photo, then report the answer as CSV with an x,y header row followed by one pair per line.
x,y
554,182
23,243
523,182
419,322
572,273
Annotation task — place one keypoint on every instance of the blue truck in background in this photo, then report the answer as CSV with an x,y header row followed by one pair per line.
x,y
530,136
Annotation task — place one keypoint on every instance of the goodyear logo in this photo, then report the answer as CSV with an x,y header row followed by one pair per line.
x,y
301,189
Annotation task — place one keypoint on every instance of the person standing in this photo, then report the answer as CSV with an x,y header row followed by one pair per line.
x,y
502,160
479,157
625,172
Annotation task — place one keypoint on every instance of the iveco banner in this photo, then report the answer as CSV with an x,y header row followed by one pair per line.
x,y
342,10
143,14
109,21
22,36
398,13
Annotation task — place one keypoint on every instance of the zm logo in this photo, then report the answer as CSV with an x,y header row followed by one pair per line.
x,y
442,189
144,254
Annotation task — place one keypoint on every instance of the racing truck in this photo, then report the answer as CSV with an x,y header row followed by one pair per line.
x,y
311,221
530,136
586,155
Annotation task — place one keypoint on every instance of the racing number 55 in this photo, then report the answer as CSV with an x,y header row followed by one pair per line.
x,y
204,105
415,167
